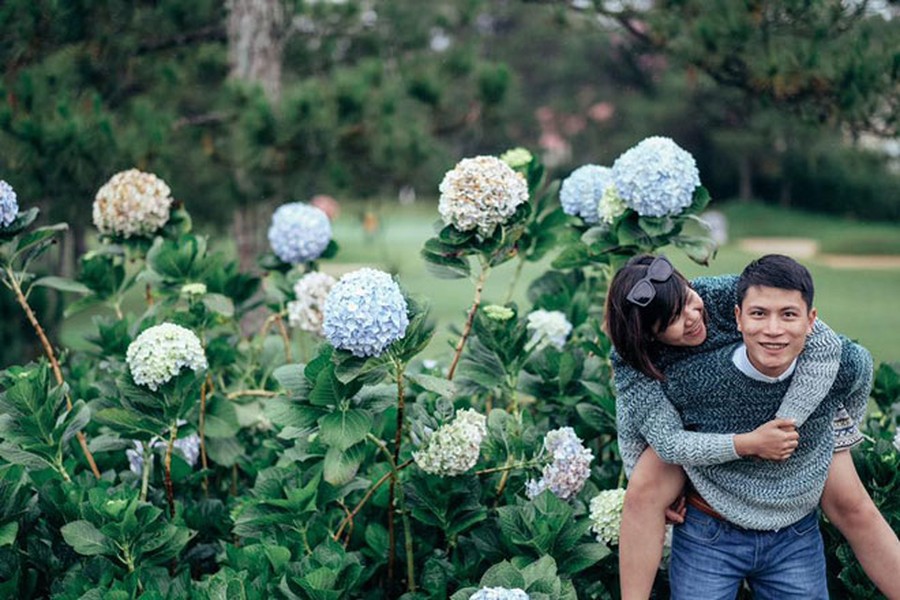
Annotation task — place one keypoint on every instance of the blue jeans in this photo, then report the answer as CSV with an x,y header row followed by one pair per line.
x,y
711,557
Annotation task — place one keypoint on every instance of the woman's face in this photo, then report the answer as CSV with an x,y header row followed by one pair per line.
x,y
689,328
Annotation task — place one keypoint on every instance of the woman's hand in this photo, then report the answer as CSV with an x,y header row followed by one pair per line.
x,y
774,440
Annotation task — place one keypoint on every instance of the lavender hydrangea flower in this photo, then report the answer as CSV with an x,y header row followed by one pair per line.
x,y
582,191
132,203
299,232
310,292
9,205
159,353
481,193
499,593
548,327
606,515
188,447
656,177
365,312
454,448
569,469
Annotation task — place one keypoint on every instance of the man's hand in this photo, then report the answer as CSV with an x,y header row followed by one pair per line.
x,y
775,440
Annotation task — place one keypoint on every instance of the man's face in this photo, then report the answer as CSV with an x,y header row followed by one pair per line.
x,y
774,323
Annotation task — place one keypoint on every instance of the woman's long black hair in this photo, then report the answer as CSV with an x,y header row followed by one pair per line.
x,y
633,328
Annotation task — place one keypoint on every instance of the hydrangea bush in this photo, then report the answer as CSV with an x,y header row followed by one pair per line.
x,y
362,464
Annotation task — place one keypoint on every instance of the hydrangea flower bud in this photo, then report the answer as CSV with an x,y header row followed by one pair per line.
x,y
310,292
160,352
611,206
656,177
569,469
132,203
606,515
499,593
582,191
548,327
365,312
481,193
193,289
454,448
517,158
498,313
299,232
9,205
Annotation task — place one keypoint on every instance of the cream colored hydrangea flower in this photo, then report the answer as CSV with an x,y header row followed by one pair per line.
x,y
132,203
481,193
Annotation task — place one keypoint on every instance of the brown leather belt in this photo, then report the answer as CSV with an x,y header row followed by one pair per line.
x,y
696,500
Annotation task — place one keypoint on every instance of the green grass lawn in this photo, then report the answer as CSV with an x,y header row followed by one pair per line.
x,y
859,303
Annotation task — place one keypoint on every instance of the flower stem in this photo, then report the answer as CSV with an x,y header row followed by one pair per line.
x,y
285,337
398,440
170,490
515,279
145,472
51,356
205,389
476,301
348,520
255,393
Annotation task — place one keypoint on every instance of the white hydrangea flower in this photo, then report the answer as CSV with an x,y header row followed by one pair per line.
x,y
481,193
364,313
517,157
132,203
188,447
656,177
548,327
499,593
569,469
897,441
606,515
454,448
159,353
310,292
611,206
498,313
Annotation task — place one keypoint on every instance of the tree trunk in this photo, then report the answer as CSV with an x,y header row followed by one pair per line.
x,y
257,30
745,178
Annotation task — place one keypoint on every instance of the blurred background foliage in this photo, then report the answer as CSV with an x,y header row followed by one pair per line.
x,y
246,104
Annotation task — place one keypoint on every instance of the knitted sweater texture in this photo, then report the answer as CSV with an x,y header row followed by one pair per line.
x,y
646,416
713,396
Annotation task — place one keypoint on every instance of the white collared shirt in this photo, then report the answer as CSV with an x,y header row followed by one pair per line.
x,y
742,362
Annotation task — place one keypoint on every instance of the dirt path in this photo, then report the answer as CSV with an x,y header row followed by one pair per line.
x,y
806,248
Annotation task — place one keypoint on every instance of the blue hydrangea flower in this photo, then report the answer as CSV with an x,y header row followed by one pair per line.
x,y
581,192
299,232
9,205
656,178
365,312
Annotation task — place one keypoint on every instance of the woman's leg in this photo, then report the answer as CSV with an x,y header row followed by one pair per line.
x,y
653,486
847,504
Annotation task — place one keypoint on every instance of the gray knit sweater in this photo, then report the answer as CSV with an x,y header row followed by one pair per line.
x,y
713,396
645,416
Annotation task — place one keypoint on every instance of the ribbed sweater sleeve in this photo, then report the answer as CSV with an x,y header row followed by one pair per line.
x,y
858,398
644,410
817,366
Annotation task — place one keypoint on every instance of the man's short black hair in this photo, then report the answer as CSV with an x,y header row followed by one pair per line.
x,y
777,271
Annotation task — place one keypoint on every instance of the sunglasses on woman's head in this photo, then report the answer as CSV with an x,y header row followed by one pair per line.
x,y
643,292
